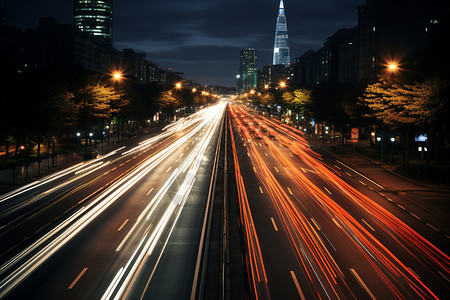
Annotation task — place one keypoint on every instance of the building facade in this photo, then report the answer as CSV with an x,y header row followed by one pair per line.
x,y
400,31
248,70
94,17
281,54
336,61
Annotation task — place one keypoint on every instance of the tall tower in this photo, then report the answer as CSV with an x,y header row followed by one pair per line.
x,y
281,47
94,17
248,69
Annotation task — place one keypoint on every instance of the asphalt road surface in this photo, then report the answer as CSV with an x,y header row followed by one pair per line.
x,y
317,229
125,225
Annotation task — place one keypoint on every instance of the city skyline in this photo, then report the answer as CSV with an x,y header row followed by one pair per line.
x,y
202,46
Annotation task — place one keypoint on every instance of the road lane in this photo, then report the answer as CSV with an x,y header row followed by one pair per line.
x,y
346,241
144,193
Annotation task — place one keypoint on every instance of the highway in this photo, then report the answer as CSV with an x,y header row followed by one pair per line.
x,y
317,229
127,224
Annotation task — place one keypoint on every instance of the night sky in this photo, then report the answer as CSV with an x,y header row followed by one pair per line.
x,y
202,38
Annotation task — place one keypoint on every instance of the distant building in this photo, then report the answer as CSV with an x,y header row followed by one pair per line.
x,y
64,47
306,69
264,76
248,70
273,75
50,45
94,17
336,61
398,30
281,54
338,58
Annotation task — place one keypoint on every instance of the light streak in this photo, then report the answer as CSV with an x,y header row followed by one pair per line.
x,y
28,260
397,278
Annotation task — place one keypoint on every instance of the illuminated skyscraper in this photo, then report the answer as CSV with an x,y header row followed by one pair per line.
x,y
248,69
94,17
281,48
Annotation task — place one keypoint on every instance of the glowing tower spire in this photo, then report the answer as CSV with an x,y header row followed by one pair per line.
x,y
281,48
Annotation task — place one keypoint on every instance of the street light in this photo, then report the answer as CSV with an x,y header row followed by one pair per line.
x,y
178,85
282,84
392,66
194,90
266,86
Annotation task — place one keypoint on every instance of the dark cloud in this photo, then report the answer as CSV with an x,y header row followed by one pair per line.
x,y
203,38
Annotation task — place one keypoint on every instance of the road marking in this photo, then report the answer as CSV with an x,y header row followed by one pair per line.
x,y
303,169
335,222
432,227
370,188
368,224
128,160
120,228
135,156
415,274
362,182
276,169
274,225
315,224
361,282
402,207
389,199
266,154
121,164
348,174
327,190
362,175
290,191
248,154
291,154
78,278
415,216
187,148
168,169
297,285
260,145
113,169
148,193
254,169
337,167
260,189
181,154
106,172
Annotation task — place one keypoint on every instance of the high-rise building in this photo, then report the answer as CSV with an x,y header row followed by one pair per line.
x,y
281,47
386,36
248,70
94,17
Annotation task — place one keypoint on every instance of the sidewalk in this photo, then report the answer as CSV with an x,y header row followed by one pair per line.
x,y
434,199
14,177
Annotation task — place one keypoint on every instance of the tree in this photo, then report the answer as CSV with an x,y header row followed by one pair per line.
x,y
168,101
392,103
96,103
299,99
